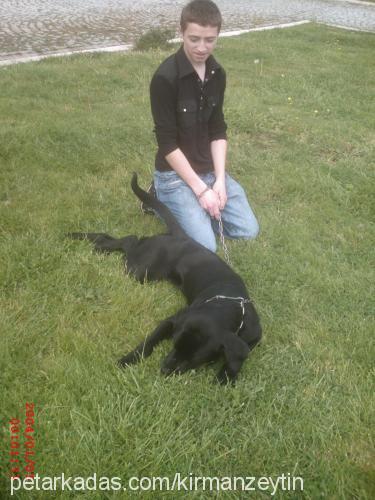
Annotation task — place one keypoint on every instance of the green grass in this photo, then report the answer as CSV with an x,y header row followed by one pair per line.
x,y
301,130
155,38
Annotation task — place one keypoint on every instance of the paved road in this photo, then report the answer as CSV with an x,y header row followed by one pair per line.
x,y
30,27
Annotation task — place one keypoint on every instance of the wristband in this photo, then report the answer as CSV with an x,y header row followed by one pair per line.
x,y
207,188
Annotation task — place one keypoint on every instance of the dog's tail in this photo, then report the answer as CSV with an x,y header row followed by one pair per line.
x,y
164,212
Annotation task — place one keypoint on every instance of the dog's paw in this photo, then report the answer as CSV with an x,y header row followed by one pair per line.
x,y
224,378
130,359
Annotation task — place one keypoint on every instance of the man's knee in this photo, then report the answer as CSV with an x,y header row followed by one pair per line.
x,y
211,246
246,229
207,240
251,231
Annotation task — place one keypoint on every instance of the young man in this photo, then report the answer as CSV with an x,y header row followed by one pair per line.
x,y
187,94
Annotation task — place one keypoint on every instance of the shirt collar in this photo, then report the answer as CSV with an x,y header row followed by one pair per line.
x,y
186,68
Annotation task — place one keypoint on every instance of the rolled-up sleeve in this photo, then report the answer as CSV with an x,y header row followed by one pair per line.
x,y
163,108
217,128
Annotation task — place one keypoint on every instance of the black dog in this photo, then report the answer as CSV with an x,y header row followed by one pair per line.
x,y
219,319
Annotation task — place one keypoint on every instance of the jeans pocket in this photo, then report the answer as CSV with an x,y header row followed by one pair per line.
x,y
167,182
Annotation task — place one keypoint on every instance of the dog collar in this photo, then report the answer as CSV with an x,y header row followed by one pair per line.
x,y
241,300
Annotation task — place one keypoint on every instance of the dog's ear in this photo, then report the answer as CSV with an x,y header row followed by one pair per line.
x,y
235,352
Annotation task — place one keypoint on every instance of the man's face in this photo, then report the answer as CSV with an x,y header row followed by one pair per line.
x,y
199,42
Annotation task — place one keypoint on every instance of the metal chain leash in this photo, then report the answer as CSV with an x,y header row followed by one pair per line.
x,y
222,240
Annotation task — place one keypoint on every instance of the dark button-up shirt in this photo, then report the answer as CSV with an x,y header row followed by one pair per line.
x,y
188,113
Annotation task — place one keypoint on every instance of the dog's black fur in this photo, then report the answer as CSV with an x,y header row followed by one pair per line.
x,y
204,330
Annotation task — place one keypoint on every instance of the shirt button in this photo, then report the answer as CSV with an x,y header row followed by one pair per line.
x,y
212,72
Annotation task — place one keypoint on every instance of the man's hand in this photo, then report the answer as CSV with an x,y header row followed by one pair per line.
x,y
210,202
220,189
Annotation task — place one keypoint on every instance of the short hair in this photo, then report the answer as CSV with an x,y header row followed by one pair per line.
x,y
202,12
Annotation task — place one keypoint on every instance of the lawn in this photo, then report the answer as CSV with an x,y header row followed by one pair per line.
x,y
300,111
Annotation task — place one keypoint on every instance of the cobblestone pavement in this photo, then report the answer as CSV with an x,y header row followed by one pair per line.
x,y
31,27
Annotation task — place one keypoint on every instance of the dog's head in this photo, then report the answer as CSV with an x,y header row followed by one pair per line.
x,y
199,340
196,341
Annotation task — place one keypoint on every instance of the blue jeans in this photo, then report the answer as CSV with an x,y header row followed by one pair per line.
x,y
239,221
